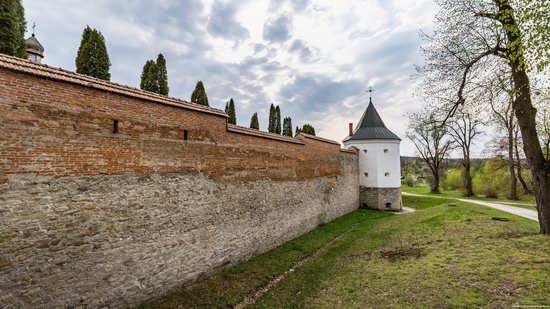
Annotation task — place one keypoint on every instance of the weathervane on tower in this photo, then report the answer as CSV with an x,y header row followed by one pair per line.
x,y
370,91
35,50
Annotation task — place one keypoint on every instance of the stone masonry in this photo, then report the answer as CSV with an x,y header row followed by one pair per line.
x,y
388,199
111,196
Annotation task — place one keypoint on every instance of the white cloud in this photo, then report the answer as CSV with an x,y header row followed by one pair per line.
x,y
256,51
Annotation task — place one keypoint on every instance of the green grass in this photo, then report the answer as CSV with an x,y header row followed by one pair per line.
x,y
525,201
439,256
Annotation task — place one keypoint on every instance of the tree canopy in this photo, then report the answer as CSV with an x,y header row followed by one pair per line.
x,y
199,94
12,28
149,77
287,126
278,120
475,41
272,120
306,128
162,75
230,111
92,58
154,76
254,124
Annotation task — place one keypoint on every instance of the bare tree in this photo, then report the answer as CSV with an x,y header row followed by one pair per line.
x,y
501,98
471,40
431,142
463,128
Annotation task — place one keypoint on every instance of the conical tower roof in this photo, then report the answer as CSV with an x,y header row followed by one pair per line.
x,y
371,126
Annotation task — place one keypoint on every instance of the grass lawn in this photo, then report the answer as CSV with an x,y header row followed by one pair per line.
x,y
436,257
525,201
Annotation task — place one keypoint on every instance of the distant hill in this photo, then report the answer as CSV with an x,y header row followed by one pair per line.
x,y
449,163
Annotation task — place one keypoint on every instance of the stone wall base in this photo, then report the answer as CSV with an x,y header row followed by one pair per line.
x,y
388,199
117,241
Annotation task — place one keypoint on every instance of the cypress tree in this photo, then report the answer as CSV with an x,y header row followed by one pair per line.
x,y
287,126
272,122
254,124
278,120
12,28
92,58
298,131
308,129
149,77
231,112
199,94
162,75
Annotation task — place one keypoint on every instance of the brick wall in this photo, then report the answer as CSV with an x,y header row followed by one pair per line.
x,y
93,217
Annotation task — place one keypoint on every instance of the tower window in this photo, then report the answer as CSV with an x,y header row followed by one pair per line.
x,y
364,150
185,135
366,174
385,151
387,174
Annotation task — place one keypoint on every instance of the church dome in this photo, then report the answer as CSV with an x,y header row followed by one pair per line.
x,y
34,47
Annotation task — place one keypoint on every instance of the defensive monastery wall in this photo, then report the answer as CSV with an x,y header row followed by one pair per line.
x,y
110,195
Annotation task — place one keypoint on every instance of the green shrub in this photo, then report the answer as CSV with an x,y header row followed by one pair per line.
x,y
411,180
454,180
492,179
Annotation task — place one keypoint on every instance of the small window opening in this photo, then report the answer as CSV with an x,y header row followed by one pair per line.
x,y
185,135
388,205
364,150
387,174
115,126
365,205
366,174
385,150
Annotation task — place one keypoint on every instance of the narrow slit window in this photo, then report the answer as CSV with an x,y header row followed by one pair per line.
x,y
385,151
387,174
115,126
185,135
364,150
366,174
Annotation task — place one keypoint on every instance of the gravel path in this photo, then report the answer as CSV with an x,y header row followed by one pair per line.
x,y
522,212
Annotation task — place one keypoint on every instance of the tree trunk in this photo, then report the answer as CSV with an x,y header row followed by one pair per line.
x,y
468,177
520,177
526,116
522,181
511,165
435,187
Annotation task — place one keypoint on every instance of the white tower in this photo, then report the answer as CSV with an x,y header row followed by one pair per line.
x,y
379,162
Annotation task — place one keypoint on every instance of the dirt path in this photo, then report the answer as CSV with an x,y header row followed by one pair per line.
x,y
252,297
522,212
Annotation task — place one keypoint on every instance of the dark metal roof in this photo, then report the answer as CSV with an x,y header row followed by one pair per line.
x,y
371,126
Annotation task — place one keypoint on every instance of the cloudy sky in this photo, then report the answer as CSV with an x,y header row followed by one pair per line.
x,y
315,59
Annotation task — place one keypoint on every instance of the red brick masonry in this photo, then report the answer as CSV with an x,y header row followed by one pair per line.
x,y
59,123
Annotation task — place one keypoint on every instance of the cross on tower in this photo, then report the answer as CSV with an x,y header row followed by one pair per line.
x,y
33,26
370,91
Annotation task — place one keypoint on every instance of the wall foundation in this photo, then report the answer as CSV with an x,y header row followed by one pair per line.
x,y
388,199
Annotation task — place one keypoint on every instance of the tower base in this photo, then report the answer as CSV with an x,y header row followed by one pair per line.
x,y
388,199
